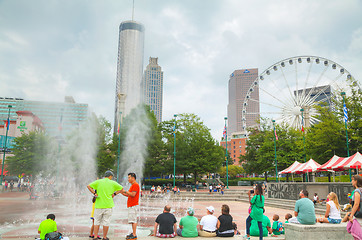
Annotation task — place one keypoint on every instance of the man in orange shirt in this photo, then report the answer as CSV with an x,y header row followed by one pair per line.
x,y
133,197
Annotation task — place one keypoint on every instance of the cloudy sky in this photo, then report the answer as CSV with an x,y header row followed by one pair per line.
x,y
52,48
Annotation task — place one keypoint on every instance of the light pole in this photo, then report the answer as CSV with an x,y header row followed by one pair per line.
x,y
226,154
275,151
174,150
6,139
345,116
305,155
119,144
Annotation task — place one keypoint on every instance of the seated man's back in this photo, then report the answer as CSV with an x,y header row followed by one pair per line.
x,y
166,223
47,226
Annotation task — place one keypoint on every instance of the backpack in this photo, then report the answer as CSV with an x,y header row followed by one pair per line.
x,y
280,227
53,236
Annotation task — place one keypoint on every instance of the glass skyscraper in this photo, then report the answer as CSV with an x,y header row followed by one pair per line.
x,y
129,69
153,87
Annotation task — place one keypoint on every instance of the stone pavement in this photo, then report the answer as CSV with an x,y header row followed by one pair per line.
x,y
239,237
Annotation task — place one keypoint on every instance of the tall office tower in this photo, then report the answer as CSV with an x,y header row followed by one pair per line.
x,y
153,87
239,84
129,69
58,118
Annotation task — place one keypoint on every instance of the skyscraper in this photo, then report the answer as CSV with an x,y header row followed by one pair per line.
x,y
129,69
153,87
239,83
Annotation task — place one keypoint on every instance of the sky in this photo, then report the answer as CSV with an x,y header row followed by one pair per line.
x,y
51,48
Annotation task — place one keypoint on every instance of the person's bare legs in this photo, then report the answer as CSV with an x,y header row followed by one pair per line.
x,y
96,229
92,228
105,231
322,220
134,227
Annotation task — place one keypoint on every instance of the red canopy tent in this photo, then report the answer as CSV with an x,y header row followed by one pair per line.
x,y
355,161
328,165
310,166
338,165
290,168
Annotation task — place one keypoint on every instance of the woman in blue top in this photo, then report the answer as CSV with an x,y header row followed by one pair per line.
x,y
257,209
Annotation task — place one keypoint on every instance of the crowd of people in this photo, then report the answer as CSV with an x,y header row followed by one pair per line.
x,y
257,223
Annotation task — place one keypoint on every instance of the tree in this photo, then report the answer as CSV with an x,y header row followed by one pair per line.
x,y
197,151
233,171
30,154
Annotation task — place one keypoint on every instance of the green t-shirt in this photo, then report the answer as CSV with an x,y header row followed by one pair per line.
x,y
275,228
254,229
189,224
305,209
105,188
257,208
47,226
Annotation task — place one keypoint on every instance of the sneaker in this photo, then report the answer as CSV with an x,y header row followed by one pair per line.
x,y
246,237
133,237
129,236
91,236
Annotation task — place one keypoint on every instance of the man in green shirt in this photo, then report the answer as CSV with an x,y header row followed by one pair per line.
x,y
304,210
106,190
47,226
188,225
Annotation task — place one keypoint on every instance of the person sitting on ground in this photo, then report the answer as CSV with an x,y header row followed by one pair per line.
x,y
356,200
333,212
208,223
236,231
277,225
304,210
188,225
225,223
167,224
47,226
266,225
287,217
315,198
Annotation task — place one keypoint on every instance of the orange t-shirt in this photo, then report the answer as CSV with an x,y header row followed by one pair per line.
x,y
133,201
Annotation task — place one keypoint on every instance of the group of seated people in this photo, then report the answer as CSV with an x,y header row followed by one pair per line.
x,y
209,225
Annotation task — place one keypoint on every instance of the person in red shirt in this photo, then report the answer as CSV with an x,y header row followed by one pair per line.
x,y
133,197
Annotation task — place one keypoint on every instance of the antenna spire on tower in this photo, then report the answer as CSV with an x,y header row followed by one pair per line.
x,y
133,11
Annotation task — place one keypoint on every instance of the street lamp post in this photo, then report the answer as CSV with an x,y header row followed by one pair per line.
x,y
345,116
174,151
275,152
305,155
226,154
6,139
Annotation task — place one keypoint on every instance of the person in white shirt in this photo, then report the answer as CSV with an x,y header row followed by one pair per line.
x,y
208,223
333,212
315,198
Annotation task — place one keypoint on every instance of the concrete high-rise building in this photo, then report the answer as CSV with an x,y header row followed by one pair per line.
x,y
153,87
129,69
58,118
239,84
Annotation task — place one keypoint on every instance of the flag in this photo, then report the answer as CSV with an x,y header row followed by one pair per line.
x,y
224,132
119,126
302,124
174,129
7,124
61,123
302,128
275,133
345,113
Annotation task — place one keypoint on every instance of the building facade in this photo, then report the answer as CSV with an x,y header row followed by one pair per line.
x,y
129,69
239,84
57,118
153,87
236,145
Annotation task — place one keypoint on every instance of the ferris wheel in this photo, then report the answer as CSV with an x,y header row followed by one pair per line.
x,y
289,90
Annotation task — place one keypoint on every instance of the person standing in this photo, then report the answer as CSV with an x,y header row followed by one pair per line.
x,y
257,210
132,204
106,189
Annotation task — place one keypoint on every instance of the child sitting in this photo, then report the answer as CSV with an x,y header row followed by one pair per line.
x,y
47,226
277,225
287,217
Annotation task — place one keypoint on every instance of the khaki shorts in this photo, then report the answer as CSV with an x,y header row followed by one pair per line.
x,y
132,214
102,216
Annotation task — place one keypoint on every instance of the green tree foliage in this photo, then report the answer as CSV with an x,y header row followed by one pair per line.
x,y
196,151
233,171
30,154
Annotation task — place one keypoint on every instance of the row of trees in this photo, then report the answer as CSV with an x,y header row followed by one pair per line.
x,y
323,140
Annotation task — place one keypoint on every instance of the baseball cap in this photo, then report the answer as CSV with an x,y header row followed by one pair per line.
x,y
210,209
108,173
190,211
